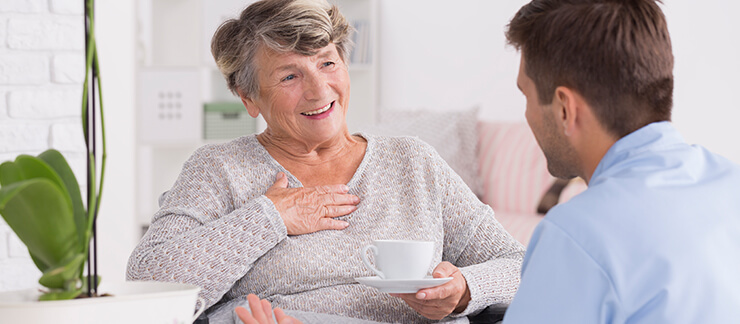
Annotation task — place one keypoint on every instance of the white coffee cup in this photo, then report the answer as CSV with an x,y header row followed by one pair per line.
x,y
397,259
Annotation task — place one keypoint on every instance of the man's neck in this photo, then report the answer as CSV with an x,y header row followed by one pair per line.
x,y
592,150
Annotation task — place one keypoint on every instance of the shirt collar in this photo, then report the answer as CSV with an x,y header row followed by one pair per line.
x,y
650,137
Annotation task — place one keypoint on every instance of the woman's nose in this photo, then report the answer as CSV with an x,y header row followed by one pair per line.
x,y
315,87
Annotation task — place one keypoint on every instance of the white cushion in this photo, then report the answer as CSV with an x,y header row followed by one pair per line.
x,y
452,133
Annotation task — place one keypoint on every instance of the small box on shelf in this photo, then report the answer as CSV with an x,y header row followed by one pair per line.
x,y
226,120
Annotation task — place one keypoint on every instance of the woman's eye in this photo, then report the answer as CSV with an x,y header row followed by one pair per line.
x,y
288,78
328,64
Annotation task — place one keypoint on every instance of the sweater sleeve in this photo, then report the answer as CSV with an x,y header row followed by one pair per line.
x,y
491,264
198,236
488,256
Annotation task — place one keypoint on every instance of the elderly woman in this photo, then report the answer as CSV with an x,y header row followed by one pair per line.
x,y
284,214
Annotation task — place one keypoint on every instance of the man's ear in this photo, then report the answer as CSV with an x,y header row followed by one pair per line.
x,y
566,109
252,108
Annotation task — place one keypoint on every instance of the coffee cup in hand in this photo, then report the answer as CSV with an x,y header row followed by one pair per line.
x,y
397,259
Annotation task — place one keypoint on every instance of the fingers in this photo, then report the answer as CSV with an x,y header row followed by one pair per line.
x,y
438,302
258,311
245,316
267,308
311,209
431,309
281,181
262,313
285,319
331,224
338,199
442,270
336,211
439,292
281,317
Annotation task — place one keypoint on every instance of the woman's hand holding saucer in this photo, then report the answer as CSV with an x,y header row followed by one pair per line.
x,y
437,302
313,209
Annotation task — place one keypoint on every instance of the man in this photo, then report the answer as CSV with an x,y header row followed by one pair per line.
x,y
656,236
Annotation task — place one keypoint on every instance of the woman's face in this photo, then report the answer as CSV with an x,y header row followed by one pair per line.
x,y
302,98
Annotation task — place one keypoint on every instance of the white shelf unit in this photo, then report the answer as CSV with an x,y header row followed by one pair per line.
x,y
174,59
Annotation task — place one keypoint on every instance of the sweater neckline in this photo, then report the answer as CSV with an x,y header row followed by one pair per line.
x,y
369,149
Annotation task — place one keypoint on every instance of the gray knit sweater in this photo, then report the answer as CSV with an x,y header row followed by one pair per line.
x,y
217,230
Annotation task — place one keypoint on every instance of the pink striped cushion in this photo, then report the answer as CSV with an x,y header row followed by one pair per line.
x,y
512,167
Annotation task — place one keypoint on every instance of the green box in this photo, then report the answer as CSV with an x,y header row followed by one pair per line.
x,y
226,120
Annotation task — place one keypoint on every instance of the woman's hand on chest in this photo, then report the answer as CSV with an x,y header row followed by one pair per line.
x,y
311,209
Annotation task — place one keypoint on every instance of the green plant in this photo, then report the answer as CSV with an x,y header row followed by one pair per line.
x,y
41,202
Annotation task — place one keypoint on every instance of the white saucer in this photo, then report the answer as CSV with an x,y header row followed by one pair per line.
x,y
401,286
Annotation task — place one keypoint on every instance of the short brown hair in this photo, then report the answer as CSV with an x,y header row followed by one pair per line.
x,y
615,53
301,26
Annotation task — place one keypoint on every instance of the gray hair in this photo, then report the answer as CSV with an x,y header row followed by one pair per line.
x,y
300,26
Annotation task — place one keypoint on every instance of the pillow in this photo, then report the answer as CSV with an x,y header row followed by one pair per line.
x,y
513,169
452,133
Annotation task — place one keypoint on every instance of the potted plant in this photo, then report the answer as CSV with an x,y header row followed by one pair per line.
x,y
41,201
40,198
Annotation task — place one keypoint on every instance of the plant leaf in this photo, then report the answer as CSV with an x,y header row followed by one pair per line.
x,y
10,173
40,213
59,275
84,282
56,161
39,264
60,295
30,167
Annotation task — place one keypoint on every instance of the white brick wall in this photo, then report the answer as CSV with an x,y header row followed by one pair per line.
x,y
3,31
68,68
23,137
23,6
48,32
41,103
3,106
41,62
67,7
24,69
68,137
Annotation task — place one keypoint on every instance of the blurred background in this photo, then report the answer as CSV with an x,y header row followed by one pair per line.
x,y
164,96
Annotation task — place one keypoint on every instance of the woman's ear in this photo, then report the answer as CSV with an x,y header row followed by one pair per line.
x,y
566,105
252,108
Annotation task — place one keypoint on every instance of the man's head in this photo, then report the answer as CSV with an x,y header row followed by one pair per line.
x,y
616,54
562,159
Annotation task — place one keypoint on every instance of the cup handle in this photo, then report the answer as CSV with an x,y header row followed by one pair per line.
x,y
367,262
200,310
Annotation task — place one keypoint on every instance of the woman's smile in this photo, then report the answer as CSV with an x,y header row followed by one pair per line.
x,y
320,113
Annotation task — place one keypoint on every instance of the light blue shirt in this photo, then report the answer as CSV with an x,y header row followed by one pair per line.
x,y
654,239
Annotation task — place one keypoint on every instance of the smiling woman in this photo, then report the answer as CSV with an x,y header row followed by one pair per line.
x,y
284,214
301,97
